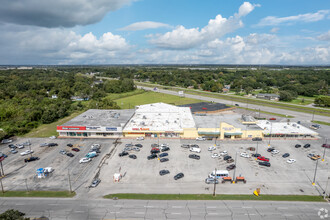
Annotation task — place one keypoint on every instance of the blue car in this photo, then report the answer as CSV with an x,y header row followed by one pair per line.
x,y
163,154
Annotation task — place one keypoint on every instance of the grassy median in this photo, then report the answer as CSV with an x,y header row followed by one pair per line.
x,y
53,194
305,198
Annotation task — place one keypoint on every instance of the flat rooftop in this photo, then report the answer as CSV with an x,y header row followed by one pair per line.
x,y
284,128
100,117
205,107
229,117
161,117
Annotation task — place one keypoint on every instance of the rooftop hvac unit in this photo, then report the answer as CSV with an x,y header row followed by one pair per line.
x,y
144,117
174,121
167,121
142,123
285,126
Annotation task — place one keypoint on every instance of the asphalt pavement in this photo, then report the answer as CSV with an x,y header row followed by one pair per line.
x,y
163,209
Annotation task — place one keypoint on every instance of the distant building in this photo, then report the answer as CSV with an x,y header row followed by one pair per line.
x,y
225,90
79,98
268,96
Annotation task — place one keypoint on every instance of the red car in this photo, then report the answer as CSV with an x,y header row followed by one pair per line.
x,y
75,149
273,119
263,159
326,145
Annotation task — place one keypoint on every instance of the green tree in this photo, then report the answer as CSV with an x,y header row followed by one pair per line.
x,y
286,96
12,214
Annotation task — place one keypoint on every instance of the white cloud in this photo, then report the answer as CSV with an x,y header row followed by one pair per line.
x,y
143,25
308,17
182,38
58,13
324,37
274,30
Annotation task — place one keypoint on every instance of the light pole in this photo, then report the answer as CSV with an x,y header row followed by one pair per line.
x,y
317,162
235,168
326,140
326,186
215,180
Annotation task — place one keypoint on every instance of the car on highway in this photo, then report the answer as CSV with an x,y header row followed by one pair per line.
x,y
152,156
30,159
70,154
164,172
307,146
286,155
162,160
195,149
264,163
178,176
215,155
231,167
212,148
263,158
52,137
75,149
200,139
124,153
226,157
297,146
291,161
236,104
84,160
133,156
256,155
163,154
140,138
194,156
211,180
95,183
27,152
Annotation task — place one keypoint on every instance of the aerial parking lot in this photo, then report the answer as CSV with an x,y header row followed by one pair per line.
x,y
142,175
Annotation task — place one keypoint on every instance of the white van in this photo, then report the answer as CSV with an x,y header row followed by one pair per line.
x,y
219,174
195,149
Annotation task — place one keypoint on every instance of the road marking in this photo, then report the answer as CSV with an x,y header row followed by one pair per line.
x,y
79,211
139,213
288,215
175,213
249,214
117,206
213,213
246,207
282,207
114,212
177,207
148,206
211,207
53,204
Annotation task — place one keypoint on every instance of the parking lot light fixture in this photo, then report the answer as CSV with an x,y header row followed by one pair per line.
x,y
215,179
235,168
317,162
326,140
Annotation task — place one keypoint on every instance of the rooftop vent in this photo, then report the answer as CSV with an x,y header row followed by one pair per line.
x,y
144,117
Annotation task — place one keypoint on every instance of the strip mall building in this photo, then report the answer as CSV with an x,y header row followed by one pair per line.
x,y
164,120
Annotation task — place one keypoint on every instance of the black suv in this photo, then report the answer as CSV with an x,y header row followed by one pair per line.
x,y
297,146
69,145
194,156
264,163
286,155
52,144
124,153
164,172
164,160
31,159
133,156
178,176
138,145
152,156
307,145
70,154
256,155
227,157
270,149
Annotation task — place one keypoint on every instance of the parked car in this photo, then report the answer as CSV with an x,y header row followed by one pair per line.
x,y
14,151
236,104
286,155
124,153
163,154
263,158
195,149
275,152
128,145
69,154
75,149
12,146
152,156
164,172
231,167
3,155
212,148
84,160
326,145
163,159
315,126
133,156
272,119
154,145
140,138
52,137
185,145
211,180
178,176
264,163
223,153
27,143
165,149
200,139
20,146
6,141
257,139
52,144
291,161
136,149
31,159
226,157
127,148
310,155
62,152
69,145
44,145
231,160
27,152
315,157
297,146
256,155
154,150
95,183
138,145
307,145
270,149
244,154
215,155
194,156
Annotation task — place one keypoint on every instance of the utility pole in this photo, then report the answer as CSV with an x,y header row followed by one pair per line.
x,y
326,186
69,182
215,180
3,173
235,168
27,189
317,162
3,192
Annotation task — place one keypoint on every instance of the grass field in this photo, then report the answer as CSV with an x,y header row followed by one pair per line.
x,y
47,130
152,97
269,113
115,96
321,122
217,197
58,194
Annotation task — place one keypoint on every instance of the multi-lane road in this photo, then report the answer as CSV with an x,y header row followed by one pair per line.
x,y
299,116
146,209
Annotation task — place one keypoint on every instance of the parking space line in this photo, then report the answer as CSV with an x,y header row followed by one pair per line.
x,y
175,213
177,207
246,207
211,207
140,213
148,206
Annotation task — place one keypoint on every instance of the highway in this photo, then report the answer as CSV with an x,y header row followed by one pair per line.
x,y
299,116
161,209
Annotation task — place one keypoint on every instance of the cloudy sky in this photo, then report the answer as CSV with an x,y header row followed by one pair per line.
x,y
295,32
